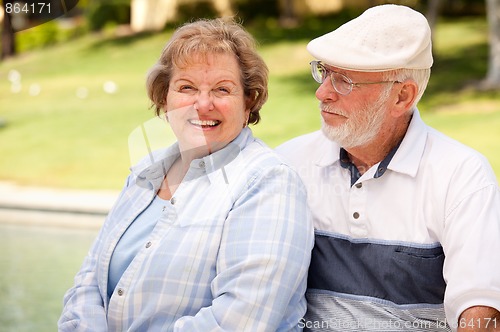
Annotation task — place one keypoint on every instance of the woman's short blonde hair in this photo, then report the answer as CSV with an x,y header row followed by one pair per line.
x,y
203,38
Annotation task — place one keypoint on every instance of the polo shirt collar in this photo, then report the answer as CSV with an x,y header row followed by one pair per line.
x,y
403,159
327,151
382,166
409,154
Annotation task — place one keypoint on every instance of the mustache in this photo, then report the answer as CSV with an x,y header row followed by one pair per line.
x,y
328,108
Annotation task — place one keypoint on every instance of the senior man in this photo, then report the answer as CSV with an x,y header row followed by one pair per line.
x,y
407,220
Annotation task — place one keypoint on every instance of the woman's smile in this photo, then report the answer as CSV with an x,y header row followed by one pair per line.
x,y
205,124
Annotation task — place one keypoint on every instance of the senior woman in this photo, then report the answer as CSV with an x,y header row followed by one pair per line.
x,y
213,232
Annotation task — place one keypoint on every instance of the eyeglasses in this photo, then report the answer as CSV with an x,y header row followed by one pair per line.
x,y
341,83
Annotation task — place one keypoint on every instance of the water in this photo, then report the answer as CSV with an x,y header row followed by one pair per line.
x,y
37,266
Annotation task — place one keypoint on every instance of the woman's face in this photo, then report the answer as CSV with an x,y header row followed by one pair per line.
x,y
206,105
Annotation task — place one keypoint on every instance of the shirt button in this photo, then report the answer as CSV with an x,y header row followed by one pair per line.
x,y
148,244
359,185
120,291
355,215
202,164
172,200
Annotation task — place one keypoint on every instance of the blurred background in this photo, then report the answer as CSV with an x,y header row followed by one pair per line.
x,y
72,93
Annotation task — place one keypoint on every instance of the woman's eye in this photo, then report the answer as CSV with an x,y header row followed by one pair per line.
x,y
186,88
223,90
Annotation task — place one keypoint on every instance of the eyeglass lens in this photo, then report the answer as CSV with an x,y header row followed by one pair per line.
x,y
340,82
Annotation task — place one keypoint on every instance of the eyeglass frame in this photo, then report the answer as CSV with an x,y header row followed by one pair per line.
x,y
315,64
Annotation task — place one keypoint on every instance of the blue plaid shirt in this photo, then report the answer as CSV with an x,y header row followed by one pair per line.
x,y
231,253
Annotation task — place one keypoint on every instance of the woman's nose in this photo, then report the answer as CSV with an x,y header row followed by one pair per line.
x,y
204,102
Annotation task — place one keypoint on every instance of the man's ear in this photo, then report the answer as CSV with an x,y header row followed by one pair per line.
x,y
407,94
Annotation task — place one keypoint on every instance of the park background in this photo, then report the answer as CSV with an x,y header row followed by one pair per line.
x,y
74,94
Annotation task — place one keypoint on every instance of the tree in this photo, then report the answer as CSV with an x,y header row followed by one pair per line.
x,y
493,76
433,10
288,16
8,37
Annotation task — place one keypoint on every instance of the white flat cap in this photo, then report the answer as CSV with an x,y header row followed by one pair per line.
x,y
383,38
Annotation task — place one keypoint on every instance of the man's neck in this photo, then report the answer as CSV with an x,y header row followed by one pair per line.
x,y
365,156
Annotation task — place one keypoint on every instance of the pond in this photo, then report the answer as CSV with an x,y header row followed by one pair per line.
x,y
37,266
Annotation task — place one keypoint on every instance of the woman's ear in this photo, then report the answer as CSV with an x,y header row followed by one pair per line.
x,y
406,97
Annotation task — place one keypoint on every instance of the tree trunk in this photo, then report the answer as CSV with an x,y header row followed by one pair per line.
x,y
288,16
8,38
493,13
433,9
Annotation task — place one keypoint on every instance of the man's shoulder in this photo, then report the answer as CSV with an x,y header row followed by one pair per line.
x,y
447,159
304,148
449,150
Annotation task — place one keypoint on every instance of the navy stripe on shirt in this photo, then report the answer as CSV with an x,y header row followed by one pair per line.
x,y
398,272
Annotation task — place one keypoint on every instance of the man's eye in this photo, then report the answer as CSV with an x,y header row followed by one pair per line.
x,y
341,79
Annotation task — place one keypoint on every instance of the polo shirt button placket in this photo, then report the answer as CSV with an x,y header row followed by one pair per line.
x,y
358,185
357,208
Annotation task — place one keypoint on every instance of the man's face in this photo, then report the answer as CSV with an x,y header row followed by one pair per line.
x,y
355,119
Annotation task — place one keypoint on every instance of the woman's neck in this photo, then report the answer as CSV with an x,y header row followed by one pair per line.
x,y
174,177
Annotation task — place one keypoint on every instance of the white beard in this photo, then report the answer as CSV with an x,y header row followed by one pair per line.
x,y
361,127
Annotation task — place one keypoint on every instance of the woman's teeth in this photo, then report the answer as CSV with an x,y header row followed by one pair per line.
x,y
204,123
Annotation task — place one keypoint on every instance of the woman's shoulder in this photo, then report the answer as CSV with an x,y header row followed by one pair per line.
x,y
259,160
257,152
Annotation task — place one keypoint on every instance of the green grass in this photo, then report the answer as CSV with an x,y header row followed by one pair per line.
x,y
57,139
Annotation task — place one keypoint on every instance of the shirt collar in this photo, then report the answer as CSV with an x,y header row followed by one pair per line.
x,y
224,156
153,168
346,163
405,158
327,152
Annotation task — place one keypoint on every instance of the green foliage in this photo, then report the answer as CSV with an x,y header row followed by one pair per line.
x,y
44,35
195,9
108,13
267,30
256,9
460,8
47,34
